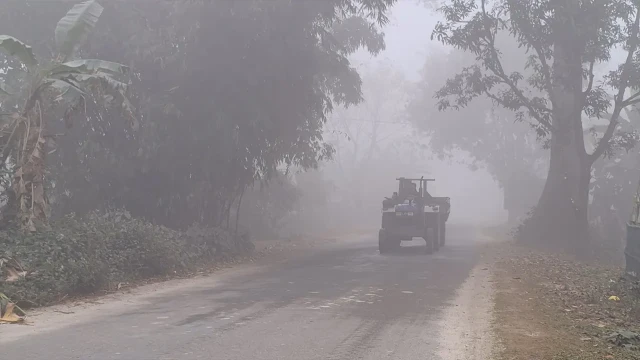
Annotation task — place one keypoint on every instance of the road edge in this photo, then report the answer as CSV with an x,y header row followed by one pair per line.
x,y
468,325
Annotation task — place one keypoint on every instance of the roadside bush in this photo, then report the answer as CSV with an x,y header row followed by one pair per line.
x,y
57,263
133,248
82,255
216,243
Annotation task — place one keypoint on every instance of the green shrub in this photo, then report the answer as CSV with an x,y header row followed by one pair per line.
x,y
216,242
78,256
134,248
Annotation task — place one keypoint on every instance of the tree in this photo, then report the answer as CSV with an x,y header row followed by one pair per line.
x,y
266,209
480,135
373,125
565,40
64,82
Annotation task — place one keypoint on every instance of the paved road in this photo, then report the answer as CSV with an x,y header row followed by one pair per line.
x,y
344,301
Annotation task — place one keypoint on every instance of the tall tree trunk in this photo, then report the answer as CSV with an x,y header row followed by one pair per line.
x,y
561,216
227,212
235,234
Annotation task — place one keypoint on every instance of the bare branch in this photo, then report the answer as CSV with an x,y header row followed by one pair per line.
x,y
591,77
622,88
498,70
633,99
527,30
545,124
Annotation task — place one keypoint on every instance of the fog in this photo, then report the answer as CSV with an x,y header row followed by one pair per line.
x,y
297,117
476,197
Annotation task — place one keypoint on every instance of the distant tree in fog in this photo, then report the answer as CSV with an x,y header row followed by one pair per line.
x,y
485,134
374,142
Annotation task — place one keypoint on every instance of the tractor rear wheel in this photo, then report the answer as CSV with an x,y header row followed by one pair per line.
x,y
383,244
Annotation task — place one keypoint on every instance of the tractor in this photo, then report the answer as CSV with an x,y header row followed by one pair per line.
x,y
412,212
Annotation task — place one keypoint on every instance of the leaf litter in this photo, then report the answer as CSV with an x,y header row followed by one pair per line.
x,y
582,303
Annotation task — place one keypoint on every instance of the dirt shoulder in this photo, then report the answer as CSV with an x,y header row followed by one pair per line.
x,y
553,307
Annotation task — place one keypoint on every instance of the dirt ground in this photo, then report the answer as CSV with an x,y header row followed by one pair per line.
x,y
553,307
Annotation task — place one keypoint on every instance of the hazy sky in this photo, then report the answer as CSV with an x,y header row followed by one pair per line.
x,y
408,38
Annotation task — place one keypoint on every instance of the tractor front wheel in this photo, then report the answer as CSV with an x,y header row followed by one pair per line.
x,y
429,243
443,233
435,236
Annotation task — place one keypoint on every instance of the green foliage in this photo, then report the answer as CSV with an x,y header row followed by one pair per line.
x,y
14,47
81,255
70,80
598,27
74,29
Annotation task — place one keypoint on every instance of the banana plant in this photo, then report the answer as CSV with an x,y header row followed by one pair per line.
x,y
65,81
